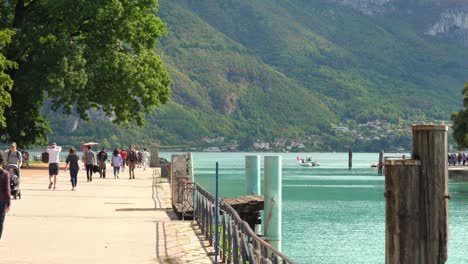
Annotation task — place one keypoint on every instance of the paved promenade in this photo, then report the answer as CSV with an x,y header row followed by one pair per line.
x,y
104,221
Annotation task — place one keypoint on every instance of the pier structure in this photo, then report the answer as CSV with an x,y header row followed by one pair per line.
x,y
458,173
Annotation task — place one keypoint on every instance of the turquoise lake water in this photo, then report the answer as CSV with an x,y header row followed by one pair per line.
x,y
331,214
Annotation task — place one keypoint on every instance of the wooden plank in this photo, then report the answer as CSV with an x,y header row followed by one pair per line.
x,y
246,203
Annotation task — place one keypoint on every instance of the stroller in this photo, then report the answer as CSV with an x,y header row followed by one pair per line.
x,y
14,180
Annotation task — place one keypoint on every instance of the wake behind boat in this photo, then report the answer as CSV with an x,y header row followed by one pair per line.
x,y
306,162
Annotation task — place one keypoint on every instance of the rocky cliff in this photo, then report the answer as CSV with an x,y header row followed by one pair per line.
x,y
451,25
448,19
368,7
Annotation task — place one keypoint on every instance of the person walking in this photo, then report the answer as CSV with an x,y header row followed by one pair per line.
x,y
140,158
5,193
144,158
132,159
54,159
116,162
102,159
123,155
14,157
90,161
73,162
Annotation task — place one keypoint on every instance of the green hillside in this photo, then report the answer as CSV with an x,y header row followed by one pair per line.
x,y
247,70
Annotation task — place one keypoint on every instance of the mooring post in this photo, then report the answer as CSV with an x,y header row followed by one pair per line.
x,y
403,216
430,147
252,175
381,161
273,200
350,158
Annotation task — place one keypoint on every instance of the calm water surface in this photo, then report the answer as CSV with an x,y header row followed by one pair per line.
x,y
331,214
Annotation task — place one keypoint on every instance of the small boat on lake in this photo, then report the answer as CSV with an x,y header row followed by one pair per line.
x,y
306,162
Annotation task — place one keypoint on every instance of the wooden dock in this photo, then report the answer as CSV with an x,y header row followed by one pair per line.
x,y
248,207
247,203
458,173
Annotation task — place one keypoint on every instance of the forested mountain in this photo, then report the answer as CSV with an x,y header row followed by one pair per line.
x,y
263,69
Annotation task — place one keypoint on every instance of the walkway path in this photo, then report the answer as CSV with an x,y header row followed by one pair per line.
x,y
104,221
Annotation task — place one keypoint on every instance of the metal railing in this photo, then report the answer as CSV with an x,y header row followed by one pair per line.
x,y
238,242
185,196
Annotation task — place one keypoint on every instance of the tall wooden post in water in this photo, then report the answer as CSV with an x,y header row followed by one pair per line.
x,y
381,162
430,147
417,200
350,158
403,213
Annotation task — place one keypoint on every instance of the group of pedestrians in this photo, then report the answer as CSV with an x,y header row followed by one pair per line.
x,y
93,163
457,159
98,162
13,159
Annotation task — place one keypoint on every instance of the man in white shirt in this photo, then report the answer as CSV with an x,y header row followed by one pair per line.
x,y
144,159
54,159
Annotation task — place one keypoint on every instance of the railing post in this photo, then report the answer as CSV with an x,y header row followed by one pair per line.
x,y
252,174
350,158
273,200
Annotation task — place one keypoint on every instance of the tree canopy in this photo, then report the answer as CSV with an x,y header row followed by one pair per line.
x,y
81,55
460,122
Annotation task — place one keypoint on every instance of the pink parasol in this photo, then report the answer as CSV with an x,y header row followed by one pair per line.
x,y
89,144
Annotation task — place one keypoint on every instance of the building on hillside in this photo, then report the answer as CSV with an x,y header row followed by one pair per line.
x,y
342,129
261,145
280,142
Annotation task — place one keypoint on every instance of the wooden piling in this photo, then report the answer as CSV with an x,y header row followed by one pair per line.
x,y
381,162
430,147
402,230
417,196
350,158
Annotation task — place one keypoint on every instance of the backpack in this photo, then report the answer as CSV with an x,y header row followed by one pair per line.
x,y
45,157
17,156
132,156
102,156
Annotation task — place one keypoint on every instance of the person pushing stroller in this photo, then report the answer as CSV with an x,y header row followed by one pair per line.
x,y
14,157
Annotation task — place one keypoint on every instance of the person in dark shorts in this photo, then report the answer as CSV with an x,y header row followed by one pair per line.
x,y
73,162
102,158
54,155
90,161
132,159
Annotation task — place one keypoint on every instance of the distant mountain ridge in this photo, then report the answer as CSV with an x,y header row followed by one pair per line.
x,y
249,70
